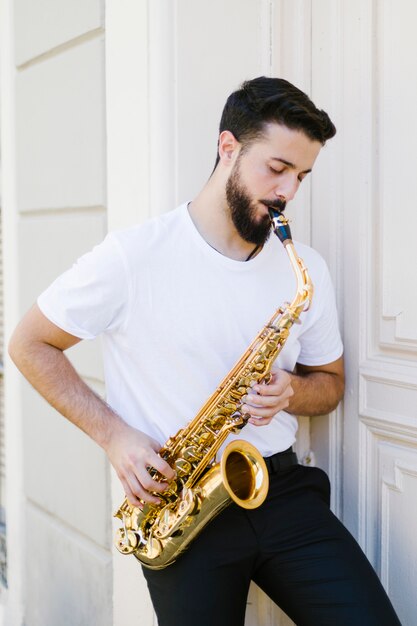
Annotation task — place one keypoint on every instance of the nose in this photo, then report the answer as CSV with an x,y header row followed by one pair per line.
x,y
287,188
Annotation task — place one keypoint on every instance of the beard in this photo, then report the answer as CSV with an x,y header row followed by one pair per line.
x,y
243,210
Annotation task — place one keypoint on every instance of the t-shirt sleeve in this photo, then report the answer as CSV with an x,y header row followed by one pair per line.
x,y
320,338
91,297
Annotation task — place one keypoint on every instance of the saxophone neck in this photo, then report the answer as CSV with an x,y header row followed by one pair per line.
x,y
304,293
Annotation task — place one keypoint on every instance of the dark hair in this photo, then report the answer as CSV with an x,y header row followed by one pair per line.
x,y
262,100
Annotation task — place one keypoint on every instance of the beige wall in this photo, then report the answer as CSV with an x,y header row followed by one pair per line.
x,y
348,56
196,53
56,82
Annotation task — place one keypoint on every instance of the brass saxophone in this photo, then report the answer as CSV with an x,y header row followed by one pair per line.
x,y
159,533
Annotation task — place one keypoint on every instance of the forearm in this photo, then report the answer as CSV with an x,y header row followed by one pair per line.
x,y
37,348
315,393
50,372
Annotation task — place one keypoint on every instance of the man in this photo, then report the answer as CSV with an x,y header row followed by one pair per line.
x,y
177,301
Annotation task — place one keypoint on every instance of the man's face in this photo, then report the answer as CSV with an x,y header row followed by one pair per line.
x,y
267,174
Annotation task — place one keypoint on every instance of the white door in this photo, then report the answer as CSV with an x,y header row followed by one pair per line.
x,y
364,56
170,66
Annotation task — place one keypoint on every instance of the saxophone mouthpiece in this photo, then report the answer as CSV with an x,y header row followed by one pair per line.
x,y
280,225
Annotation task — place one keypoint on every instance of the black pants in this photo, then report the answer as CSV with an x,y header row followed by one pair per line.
x,y
292,546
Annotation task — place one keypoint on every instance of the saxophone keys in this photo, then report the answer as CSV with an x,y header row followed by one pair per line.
x,y
182,467
126,542
205,440
125,509
245,418
171,520
191,453
162,525
220,411
236,394
268,348
241,391
217,421
153,548
239,421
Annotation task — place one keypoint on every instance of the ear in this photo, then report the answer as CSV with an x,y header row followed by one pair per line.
x,y
229,147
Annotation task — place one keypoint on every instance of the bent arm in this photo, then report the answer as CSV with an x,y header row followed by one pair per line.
x,y
37,348
309,391
317,389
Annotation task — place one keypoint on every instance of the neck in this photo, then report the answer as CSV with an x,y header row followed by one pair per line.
x,y
211,216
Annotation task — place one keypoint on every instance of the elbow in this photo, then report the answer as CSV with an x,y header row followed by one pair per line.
x,y
14,348
339,391
20,349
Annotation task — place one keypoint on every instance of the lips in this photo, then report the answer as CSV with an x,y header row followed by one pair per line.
x,y
264,212
277,204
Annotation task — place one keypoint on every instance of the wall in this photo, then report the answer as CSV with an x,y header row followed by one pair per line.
x,y
355,59
380,478
59,513
165,92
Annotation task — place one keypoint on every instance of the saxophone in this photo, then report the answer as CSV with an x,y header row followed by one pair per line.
x,y
158,533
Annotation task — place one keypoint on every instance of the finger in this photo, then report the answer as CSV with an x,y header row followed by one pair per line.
x,y
270,390
147,482
269,406
135,492
252,399
154,460
269,412
260,421
273,389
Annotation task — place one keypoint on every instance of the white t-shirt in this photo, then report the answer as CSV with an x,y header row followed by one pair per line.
x,y
175,315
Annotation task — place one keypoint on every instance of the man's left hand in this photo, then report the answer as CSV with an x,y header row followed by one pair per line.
x,y
266,400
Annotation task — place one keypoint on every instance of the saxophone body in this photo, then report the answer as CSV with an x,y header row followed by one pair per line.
x,y
158,533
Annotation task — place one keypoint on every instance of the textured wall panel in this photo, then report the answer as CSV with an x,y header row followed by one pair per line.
x,y
60,130
219,44
66,576
51,243
399,540
385,296
397,137
389,398
390,510
291,58
45,24
65,472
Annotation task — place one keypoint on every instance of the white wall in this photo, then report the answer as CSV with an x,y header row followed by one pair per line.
x,y
356,60
380,483
174,79
53,149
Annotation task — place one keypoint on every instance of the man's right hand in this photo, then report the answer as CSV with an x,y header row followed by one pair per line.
x,y
131,453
